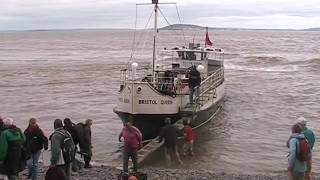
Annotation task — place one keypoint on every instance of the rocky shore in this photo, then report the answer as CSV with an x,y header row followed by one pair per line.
x,y
111,173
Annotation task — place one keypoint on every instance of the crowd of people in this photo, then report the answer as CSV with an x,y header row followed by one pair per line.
x,y
19,150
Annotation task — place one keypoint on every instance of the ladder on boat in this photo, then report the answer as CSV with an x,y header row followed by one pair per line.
x,y
207,89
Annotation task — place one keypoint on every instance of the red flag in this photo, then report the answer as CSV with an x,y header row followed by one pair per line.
x,y
208,42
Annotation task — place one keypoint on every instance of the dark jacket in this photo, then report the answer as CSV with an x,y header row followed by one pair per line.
x,y
84,136
194,78
35,140
169,133
72,131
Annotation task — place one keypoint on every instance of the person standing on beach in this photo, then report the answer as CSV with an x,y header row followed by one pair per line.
x,y
57,140
296,167
11,152
132,138
189,139
70,127
83,132
35,142
1,125
170,134
308,133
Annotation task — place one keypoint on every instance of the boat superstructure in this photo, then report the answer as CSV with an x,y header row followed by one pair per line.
x,y
148,95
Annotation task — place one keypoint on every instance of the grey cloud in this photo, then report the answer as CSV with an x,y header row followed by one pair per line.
x,y
60,14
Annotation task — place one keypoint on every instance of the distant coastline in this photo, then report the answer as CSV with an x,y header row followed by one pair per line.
x,y
170,27
196,27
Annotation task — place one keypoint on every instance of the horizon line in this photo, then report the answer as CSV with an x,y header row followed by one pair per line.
x,y
196,26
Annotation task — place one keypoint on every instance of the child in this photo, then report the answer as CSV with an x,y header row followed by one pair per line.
x,y
189,139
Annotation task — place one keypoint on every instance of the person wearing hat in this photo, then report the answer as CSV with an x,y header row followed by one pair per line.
x,y
132,138
11,143
308,133
169,133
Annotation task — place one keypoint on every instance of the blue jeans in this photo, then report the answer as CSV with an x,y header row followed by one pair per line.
x,y
33,164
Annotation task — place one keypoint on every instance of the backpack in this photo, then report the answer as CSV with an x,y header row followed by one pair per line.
x,y
68,148
304,153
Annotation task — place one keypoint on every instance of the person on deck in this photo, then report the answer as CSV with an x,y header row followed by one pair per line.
x,y
308,133
132,138
169,133
35,142
194,83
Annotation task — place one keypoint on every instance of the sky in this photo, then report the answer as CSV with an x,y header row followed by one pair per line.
x,y
74,14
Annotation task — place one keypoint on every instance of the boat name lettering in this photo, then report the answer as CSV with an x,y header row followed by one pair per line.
x,y
148,101
124,100
166,102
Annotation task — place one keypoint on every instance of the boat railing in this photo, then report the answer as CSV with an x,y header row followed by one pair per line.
x,y
209,85
173,85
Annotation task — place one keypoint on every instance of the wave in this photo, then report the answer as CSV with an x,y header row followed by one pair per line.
x,y
266,60
310,64
285,68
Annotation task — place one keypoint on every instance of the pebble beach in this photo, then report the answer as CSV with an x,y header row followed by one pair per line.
x,y
111,173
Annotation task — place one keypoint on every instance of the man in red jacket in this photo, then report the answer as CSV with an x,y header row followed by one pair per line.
x,y
132,143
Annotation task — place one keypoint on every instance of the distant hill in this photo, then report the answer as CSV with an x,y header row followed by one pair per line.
x,y
312,29
196,27
182,26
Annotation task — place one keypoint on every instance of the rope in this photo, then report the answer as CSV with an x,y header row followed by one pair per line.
x,y
134,34
179,17
169,23
135,47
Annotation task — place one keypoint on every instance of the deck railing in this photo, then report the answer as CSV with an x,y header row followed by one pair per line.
x,y
209,85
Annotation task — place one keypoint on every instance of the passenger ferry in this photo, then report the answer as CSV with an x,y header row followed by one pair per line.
x,y
147,96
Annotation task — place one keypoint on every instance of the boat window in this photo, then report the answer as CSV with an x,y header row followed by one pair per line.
x,y
203,56
181,55
191,55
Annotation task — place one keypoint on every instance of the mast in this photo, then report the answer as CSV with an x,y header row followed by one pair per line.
x,y
205,41
155,2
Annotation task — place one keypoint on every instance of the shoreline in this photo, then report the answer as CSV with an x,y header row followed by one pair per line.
x,y
108,172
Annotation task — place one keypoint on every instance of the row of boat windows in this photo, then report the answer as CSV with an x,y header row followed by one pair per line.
x,y
190,55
